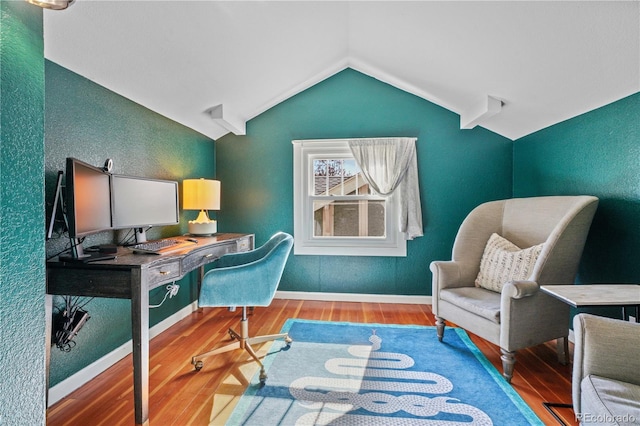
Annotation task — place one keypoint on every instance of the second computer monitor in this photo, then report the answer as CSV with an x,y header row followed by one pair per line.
x,y
141,202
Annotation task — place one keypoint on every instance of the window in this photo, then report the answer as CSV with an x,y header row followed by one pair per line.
x,y
335,211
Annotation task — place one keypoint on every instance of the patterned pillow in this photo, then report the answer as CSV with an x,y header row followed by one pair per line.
x,y
503,261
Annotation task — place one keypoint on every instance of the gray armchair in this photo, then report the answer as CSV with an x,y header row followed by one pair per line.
x,y
606,371
519,315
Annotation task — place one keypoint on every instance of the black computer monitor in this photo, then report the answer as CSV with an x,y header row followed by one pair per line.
x,y
58,203
88,202
141,203
88,196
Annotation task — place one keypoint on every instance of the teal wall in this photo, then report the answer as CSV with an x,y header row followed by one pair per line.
x,y
91,123
458,169
22,252
596,153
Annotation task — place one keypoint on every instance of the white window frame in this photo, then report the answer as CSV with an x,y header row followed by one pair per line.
x,y
304,152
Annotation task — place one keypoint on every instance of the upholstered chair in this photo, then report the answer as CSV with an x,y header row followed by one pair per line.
x,y
522,243
606,371
245,279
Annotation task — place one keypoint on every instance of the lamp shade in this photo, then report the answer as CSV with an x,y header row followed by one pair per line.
x,y
201,194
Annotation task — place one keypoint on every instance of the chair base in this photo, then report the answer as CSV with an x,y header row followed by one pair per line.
x,y
242,341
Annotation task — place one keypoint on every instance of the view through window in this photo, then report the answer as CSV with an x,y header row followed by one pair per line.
x,y
343,204
335,212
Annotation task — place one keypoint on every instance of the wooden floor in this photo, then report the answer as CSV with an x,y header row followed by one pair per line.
x,y
181,396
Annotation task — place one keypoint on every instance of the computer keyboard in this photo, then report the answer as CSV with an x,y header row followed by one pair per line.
x,y
166,245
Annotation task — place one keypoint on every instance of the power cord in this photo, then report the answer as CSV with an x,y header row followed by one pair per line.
x,y
69,321
172,290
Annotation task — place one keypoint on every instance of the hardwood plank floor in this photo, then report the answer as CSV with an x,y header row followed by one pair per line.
x,y
181,396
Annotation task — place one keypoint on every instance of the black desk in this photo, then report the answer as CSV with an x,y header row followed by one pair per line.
x,y
131,276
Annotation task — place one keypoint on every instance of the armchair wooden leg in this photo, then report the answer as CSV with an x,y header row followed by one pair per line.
x,y
562,346
508,362
440,323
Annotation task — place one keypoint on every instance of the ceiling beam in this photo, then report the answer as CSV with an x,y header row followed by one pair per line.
x,y
480,112
224,118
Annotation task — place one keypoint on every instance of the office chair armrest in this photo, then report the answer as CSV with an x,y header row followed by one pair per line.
x,y
251,256
236,259
520,289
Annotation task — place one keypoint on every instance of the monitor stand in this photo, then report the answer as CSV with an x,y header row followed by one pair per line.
x,y
78,254
141,235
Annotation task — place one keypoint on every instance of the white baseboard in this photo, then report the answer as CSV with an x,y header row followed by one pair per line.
x,y
70,384
354,297
75,381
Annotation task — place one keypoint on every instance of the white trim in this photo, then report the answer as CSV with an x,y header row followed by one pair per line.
x,y
91,371
375,72
354,297
326,73
304,151
79,379
362,67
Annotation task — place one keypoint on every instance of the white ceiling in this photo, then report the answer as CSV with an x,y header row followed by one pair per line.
x,y
543,61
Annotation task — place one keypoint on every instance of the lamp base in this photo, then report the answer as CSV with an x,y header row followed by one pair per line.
x,y
203,228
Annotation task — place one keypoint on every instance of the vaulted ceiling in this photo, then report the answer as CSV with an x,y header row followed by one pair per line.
x,y
513,67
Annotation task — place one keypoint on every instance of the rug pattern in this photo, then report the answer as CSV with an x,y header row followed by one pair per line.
x,y
367,374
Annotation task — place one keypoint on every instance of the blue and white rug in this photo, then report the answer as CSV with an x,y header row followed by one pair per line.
x,y
365,374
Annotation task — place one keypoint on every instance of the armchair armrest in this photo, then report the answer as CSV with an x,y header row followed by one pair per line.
x,y
604,347
528,314
451,274
445,273
520,289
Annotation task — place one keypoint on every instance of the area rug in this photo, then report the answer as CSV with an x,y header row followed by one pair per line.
x,y
366,374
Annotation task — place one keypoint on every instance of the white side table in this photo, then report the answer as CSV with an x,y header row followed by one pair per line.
x,y
623,295
594,295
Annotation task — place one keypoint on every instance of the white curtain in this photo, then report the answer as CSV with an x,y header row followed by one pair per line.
x,y
389,164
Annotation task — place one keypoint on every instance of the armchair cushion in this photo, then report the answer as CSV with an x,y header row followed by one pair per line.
x,y
478,301
503,261
611,400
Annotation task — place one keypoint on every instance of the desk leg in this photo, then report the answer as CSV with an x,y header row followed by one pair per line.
x,y
48,314
200,279
140,337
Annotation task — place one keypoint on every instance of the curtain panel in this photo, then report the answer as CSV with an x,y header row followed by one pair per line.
x,y
390,164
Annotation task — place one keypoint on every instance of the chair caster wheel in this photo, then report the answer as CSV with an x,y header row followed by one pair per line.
x,y
263,378
198,365
232,335
288,340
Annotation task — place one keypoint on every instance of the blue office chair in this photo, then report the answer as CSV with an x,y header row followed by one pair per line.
x,y
246,279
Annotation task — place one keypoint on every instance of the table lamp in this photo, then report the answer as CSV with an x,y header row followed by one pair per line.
x,y
201,194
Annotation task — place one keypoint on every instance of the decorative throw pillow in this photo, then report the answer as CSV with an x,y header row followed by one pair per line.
x,y
503,261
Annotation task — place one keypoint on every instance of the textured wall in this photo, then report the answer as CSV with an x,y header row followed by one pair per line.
x,y
22,274
91,123
458,169
596,153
